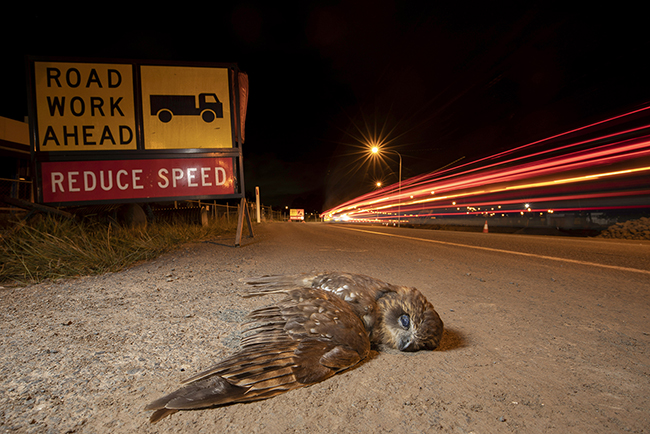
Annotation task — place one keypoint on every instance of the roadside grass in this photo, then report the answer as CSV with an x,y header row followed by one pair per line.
x,y
54,248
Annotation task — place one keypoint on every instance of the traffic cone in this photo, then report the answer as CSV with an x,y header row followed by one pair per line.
x,y
485,228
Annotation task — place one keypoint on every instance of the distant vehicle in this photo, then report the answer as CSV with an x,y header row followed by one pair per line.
x,y
167,106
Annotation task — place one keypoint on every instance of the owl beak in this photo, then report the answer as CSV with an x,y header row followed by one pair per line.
x,y
405,345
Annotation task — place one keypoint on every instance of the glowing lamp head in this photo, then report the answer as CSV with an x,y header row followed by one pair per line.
x,y
374,150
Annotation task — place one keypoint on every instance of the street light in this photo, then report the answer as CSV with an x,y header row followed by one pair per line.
x,y
375,150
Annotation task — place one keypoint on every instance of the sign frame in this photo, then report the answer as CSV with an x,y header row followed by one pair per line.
x,y
118,104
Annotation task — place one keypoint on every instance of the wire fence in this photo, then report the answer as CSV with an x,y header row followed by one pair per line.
x,y
189,209
16,188
192,210
216,210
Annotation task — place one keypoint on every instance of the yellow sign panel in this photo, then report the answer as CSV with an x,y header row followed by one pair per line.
x,y
296,214
84,106
185,107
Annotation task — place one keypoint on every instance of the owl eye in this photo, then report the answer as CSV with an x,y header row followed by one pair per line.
x,y
405,321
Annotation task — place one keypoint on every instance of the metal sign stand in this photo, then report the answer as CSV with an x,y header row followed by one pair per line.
x,y
34,208
243,210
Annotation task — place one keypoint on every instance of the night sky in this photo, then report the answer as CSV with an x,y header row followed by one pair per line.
x,y
442,82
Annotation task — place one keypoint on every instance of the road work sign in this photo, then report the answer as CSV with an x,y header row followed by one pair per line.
x,y
297,215
81,181
185,107
84,106
106,131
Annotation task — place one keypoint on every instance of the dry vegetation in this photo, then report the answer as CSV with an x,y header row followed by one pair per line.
x,y
638,229
50,248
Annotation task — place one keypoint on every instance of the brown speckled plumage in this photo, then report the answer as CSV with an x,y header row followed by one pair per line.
x,y
325,324
377,303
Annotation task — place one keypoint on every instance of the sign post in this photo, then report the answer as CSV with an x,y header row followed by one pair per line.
x,y
257,203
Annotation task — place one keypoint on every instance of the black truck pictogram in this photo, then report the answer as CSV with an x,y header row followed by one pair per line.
x,y
167,106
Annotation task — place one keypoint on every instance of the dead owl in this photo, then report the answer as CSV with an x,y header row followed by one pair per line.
x,y
324,325
397,316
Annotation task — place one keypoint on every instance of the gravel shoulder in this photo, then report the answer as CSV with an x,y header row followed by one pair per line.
x,y
86,355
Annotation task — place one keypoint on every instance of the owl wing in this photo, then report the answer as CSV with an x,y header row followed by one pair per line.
x,y
343,284
305,338
360,291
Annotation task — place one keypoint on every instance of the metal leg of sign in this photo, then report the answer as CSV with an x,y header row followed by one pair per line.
x,y
35,207
243,211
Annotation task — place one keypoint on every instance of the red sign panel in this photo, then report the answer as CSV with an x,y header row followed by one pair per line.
x,y
82,181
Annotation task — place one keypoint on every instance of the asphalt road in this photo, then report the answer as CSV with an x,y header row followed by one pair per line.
x,y
559,323
612,254
542,334
377,244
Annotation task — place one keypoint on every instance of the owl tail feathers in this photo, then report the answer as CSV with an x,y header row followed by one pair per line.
x,y
160,414
206,392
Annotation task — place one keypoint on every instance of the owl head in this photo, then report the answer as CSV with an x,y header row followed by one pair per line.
x,y
409,322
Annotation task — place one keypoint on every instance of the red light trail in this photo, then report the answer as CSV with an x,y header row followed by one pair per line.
x,y
597,167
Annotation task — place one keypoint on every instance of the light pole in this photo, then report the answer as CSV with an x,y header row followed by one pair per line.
x,y
375,150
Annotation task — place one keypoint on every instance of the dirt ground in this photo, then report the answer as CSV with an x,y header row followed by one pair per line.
x,y
86,355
